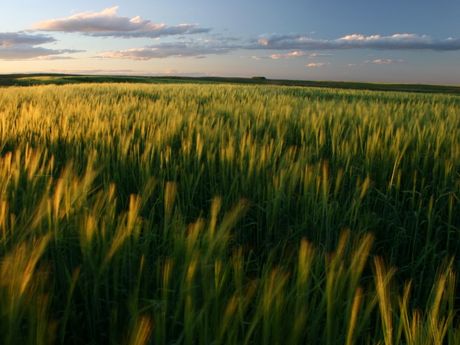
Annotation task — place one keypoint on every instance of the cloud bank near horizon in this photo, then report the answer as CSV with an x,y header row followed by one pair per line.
x,y
398,41
288,46
163,51
107,23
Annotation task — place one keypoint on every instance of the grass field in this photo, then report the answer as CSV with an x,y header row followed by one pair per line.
x,y
228,214
64,79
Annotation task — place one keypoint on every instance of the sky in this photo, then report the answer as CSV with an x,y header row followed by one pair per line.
x,y
407,41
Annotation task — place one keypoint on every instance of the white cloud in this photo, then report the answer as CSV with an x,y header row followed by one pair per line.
x,y
263,42
404,41
313,55
164,51
107,23
23,46
359,37
316,64
292,54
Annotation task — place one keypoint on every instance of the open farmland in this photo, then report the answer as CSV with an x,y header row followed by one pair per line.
x,y
228,214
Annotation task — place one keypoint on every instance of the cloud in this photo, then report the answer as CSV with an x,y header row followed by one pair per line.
x,y
11,39
107,23
165,50
357,41
56,57
316,64
289,47
296,54
313,55
23,46
26,53
292,54
384,61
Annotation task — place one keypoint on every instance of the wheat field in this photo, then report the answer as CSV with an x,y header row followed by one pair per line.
x,y
228,214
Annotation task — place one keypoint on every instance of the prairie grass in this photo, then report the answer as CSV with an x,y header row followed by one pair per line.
x,y
198,214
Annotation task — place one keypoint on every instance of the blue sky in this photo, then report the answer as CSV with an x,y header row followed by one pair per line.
x,y
381,41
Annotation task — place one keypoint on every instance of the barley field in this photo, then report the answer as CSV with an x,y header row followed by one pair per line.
x,y
228,214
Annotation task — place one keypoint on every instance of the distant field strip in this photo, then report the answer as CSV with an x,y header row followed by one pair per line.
x,y
228,214
63,79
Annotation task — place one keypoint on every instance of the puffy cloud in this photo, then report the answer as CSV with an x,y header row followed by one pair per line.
x,y
108,23
357,41
20,46
313,55
316,64
292,54
164,51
